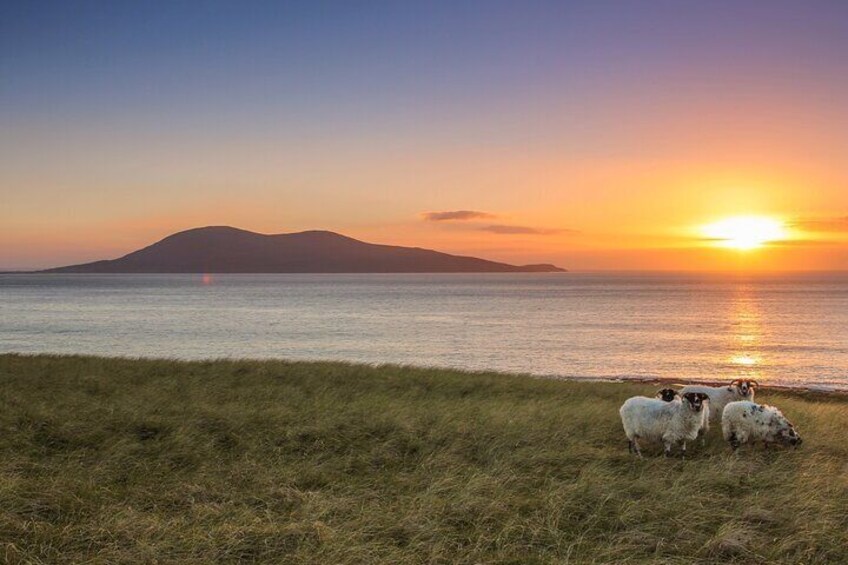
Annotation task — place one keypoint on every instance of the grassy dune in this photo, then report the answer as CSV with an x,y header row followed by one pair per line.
x,y
106,460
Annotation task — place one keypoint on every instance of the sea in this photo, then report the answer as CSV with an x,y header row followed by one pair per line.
x,y
780,329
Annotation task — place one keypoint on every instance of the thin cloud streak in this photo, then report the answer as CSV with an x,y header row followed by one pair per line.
x,y
775,243
474,217
839,224
513,230
457,215
801,243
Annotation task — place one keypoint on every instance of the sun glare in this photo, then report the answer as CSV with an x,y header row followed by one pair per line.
x,y
746,360
745,232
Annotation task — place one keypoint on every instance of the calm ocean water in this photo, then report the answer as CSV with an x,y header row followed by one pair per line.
x,y
780,329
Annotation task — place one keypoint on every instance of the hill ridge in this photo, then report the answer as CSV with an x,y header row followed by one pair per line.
x,y
227,249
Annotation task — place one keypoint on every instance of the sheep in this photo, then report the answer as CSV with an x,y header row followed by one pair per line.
x,y
654,419
667,394
744,421
720,395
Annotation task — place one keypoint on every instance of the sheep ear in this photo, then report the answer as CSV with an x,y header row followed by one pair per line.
x,y
735,382
754,384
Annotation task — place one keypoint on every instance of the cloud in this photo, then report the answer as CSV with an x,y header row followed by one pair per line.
x,y
802,243
475,217
457,215
773,243
509,230
839,224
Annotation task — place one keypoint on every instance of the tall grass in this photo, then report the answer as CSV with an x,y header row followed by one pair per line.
x,y
114,460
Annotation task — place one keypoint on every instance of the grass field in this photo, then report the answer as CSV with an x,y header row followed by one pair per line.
x,y
110,460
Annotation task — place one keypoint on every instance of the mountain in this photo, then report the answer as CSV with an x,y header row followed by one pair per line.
x,y
222,249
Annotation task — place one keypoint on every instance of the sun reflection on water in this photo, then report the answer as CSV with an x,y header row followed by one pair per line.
x,y
746,333
744,360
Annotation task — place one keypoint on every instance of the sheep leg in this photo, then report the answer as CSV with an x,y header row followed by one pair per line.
x,y
734,441
683,451
667,448
633,446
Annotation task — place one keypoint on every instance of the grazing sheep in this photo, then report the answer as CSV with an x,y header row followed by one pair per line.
x,y
667,395
744,421
720,395
653,419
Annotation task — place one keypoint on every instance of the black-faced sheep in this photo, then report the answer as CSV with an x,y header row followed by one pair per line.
x,y
667,394
653,419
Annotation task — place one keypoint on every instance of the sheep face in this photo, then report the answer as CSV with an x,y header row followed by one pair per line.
x,y
696,400
744,388
784,431
667,394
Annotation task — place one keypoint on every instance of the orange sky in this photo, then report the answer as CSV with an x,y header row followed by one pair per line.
x,y
607,215
587,150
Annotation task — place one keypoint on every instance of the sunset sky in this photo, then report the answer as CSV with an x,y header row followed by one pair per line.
x,y
593,135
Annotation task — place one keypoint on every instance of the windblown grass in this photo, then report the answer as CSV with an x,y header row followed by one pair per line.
x,y
112,460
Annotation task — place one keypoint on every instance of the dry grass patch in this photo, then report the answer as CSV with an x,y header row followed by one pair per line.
x,y
115,460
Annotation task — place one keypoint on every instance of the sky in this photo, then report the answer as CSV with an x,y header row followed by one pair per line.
x,y
592,135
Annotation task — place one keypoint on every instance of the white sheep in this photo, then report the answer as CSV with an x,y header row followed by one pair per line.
x,y
667,394
720,395
744,421
654,419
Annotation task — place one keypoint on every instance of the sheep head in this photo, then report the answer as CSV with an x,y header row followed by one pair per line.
x,y
783,430
744,388
667,394
696,400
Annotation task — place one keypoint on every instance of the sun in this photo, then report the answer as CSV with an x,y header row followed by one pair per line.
x,y
745,232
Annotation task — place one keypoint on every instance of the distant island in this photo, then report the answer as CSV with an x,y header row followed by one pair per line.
x,y
223,249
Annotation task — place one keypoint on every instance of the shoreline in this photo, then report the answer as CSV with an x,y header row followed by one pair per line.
x,y
816,389
811,389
